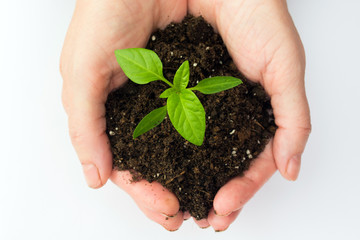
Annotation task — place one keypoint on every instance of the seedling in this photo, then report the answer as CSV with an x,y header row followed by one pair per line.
x,y
185,110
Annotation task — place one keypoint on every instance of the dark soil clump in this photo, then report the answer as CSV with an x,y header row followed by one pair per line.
x,y
239,121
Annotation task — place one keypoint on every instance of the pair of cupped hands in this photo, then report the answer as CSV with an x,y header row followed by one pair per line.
x,y
265,46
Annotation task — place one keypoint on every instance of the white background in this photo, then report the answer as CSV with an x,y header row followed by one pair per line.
x,y
42,191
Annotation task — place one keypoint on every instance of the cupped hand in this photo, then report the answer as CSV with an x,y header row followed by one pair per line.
x,y
265,46
90,71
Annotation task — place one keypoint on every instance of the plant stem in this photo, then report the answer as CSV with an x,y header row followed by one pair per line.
x,y
167,82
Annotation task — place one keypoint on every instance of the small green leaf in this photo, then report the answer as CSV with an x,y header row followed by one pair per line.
x,y
187,115
150,121
216,84
167,93
140,65
181,79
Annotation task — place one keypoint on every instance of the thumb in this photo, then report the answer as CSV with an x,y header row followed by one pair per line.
x,y
291,109
84,99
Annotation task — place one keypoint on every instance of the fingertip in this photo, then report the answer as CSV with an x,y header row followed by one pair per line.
x,y
186,215
293,168
238,191
222,223
288,148
92,147
203,223
232,196
92,176
174,224
167,204
150,195
170,224
96,172
171,205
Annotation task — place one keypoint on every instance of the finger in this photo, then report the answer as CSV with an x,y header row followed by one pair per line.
x,y
285,85
221,223
203,223
169,223
234,194
293,119
147,195
84,100
186,215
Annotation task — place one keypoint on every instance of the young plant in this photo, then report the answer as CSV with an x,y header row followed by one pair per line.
x,y
185,110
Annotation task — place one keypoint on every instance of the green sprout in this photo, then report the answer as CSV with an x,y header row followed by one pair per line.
x,y
185,110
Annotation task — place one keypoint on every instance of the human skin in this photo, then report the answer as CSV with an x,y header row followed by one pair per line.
x,y
265,46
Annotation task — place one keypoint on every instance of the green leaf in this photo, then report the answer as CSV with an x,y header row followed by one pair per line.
x,y
181,79
187,115
140,65
167,93
150,121
216,84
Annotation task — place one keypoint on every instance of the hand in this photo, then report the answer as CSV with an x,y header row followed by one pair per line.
x,y
90,71
265,46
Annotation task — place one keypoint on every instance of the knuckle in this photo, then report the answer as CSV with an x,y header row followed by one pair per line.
x,y
306,129
252,183
75,135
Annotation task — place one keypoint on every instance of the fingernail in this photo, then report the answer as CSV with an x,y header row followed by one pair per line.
x,y
203,223
169,216
293,167
221,230
221,215
172,230
92,176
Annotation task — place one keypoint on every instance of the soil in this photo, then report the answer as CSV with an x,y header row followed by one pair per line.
x,y
239,121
